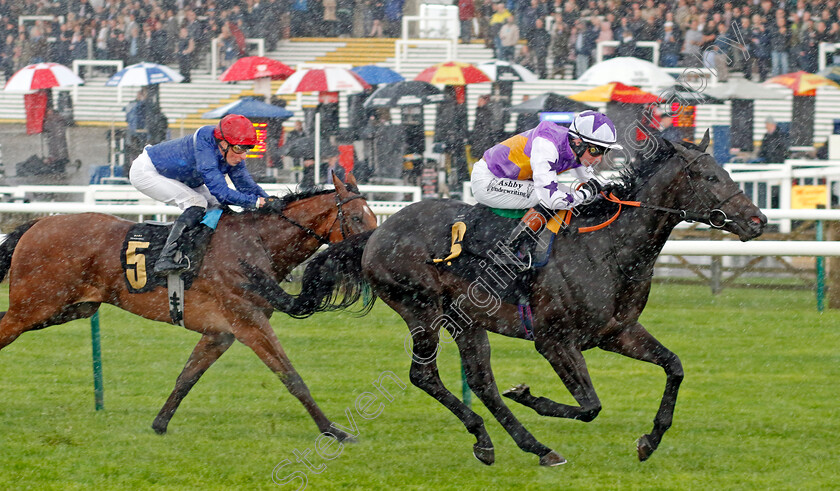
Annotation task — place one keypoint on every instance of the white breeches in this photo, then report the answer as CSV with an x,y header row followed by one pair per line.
x,y
499,192
148,181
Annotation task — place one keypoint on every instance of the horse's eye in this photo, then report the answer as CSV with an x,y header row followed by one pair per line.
x,y
712,178
357,219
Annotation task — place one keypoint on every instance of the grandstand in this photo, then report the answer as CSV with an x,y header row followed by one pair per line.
x,y
97,105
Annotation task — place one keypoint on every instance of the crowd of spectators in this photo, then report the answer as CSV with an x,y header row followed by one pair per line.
x,y
780,36
552,37
176,31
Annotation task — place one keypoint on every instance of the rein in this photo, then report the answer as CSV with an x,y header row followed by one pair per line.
x,y
323,240
714,217
339,203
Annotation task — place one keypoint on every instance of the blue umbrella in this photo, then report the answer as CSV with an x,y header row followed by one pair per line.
x,y
250,108
376,75
144,74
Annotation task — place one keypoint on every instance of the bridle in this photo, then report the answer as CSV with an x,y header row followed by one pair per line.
x,y
339,203
339,217
712,215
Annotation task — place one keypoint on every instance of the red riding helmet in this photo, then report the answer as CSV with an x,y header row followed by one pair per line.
x,y
236,130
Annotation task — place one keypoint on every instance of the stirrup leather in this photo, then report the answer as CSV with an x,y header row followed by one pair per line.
x,y
458,231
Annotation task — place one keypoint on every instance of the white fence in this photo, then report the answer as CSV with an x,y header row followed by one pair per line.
x,y
770,185
125,200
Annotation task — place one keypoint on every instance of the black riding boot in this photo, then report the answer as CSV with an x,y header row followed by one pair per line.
x,y
523,246
166,263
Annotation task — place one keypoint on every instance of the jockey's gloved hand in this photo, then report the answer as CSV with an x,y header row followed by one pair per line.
x,y
270,203
594,186
584,196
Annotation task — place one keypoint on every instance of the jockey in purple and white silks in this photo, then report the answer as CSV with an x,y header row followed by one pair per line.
x,y
522,171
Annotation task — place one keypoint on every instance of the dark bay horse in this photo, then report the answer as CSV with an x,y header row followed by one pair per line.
x,y
589,295
63,267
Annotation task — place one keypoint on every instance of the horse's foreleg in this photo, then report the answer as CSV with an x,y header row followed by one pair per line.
x,y
263,341
635,342
206,352
569,364
475,354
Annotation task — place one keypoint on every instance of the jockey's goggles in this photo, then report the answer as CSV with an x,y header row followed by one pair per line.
x,y
241,148
596,151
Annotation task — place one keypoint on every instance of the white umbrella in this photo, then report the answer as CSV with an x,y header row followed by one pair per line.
x,y
41,76
331,79
505,71
144,74
627,70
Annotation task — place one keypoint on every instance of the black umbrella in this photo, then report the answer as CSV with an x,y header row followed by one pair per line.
x,y
304,148
407,93
550,102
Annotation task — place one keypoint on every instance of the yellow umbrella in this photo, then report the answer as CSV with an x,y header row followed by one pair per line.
x,y
616,92
802,83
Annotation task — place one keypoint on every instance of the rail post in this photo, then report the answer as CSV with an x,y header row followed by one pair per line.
x,y
96,349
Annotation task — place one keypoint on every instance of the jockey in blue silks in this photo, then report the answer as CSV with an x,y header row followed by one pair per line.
x,y
190,172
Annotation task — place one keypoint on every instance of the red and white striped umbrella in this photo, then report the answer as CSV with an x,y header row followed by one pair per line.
x,y
42,76
323,80
254,67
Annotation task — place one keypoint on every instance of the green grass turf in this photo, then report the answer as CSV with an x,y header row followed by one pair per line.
x,y
758,407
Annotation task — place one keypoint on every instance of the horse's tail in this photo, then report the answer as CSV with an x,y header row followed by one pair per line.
x,y
8,247
332,280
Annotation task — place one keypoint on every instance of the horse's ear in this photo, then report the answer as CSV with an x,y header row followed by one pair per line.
x,y
682,151
704,143
350,180
340,188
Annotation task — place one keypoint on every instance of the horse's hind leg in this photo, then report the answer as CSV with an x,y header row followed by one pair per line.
x,y
424,374
635,342
13,323
475,354
205,353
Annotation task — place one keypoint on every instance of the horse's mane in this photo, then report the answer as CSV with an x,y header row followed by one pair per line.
x,y
290,198
634,175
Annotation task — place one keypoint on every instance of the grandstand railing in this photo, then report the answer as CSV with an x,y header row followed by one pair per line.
x,y
214,52
118,64
401,49
652,45
825,50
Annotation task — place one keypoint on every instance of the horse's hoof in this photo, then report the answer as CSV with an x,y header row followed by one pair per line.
x,y
342,436
485,455
552,459
159,429
517,392
644,448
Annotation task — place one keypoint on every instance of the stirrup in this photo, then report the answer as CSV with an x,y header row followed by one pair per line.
x,y
180,267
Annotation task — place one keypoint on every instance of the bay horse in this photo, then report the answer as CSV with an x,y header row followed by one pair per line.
x,y
590,293
63,267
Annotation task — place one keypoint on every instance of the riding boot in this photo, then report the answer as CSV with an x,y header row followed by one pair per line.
x,y
522,251
166,263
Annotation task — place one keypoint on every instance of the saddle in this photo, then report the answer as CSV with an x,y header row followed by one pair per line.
x,y
141,249
478,252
